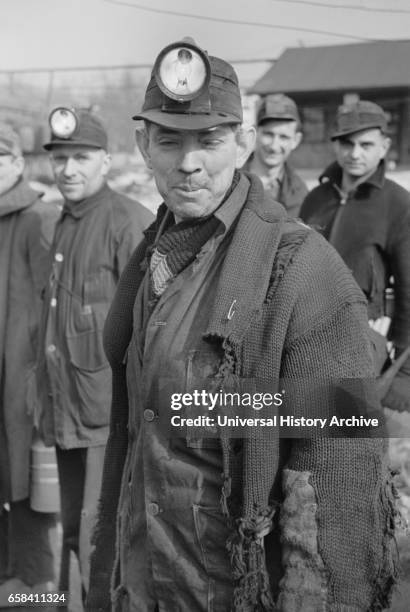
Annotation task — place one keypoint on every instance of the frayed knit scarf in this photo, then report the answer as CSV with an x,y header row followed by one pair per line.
x,y
174,246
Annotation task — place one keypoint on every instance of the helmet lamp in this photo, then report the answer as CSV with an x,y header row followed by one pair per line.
x,y
63,122
182,71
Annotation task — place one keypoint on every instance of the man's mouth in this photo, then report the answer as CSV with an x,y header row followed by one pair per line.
x,y
188,188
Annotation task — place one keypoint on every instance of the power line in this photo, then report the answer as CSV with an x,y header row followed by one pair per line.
x,y
352,7
258,24
124,67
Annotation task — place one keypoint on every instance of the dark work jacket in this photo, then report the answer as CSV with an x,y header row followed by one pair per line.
x,y
26,231
292,189
370,228
93,241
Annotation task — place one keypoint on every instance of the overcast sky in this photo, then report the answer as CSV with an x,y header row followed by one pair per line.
x,y
71,33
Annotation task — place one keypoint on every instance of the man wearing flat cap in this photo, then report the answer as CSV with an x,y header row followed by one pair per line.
x,y
26,230
278,133
95,236
366,217
224,297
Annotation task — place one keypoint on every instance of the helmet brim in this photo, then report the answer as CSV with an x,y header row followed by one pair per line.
x,y
186,121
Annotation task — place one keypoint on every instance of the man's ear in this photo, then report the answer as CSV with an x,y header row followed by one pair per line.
x,y
106,164
245,139
386,145
142,139
298,140
19,164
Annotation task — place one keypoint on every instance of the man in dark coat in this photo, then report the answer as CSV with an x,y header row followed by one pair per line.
x,y
278,133
366,217
95,236
226,297
26,230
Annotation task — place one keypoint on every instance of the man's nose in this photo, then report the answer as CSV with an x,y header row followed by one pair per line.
x,y
275,143
190,159
69,167
355,151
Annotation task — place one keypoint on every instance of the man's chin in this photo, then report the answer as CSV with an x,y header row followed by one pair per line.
x,y
273,163
192,210
73,195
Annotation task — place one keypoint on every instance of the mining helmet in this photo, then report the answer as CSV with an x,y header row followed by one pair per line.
x,y
76,128
190,90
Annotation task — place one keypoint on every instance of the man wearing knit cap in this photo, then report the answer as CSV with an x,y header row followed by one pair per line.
x,y
278,133
366,217
26,230
224,297
95,236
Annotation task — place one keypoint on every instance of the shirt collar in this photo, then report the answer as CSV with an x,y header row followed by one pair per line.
x,y
229,210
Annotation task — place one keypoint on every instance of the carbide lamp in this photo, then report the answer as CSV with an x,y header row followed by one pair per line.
x,y
63,122
182,71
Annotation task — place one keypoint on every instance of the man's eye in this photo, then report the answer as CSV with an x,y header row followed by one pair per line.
x,y
211,142
166,142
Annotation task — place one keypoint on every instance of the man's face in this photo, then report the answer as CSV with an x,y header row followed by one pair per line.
x,y
79,171
275,141
193,169
359,154
11,168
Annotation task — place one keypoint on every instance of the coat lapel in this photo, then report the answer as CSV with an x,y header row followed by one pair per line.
x,y
247,268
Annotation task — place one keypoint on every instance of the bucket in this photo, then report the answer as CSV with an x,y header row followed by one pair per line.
x,y
44,487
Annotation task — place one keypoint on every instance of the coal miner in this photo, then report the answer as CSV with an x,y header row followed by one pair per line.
x,y
95,236
26,230
278,133
224,290
366,217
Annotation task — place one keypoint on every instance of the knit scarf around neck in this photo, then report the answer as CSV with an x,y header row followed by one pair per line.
x,y
179,244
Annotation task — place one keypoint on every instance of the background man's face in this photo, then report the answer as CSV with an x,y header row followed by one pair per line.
x,y
79,171
275,141
359,154
11,168
192,169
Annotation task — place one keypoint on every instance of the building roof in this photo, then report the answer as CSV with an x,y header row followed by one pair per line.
x,y
341,67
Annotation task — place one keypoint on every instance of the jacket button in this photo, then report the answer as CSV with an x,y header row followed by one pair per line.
x,y
53,302
153,509
59,257
51,348
149,414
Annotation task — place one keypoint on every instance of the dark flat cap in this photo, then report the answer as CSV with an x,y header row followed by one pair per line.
x,y
362,115
277,106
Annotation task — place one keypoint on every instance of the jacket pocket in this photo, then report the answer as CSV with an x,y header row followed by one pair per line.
x,y
92,377
212,532
201,368
98,287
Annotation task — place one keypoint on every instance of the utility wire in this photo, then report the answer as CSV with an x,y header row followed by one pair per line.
x,y
259,24
352,7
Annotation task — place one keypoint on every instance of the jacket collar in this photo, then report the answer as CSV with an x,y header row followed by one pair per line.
x,y
247,267
20,196
334,173
79,209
